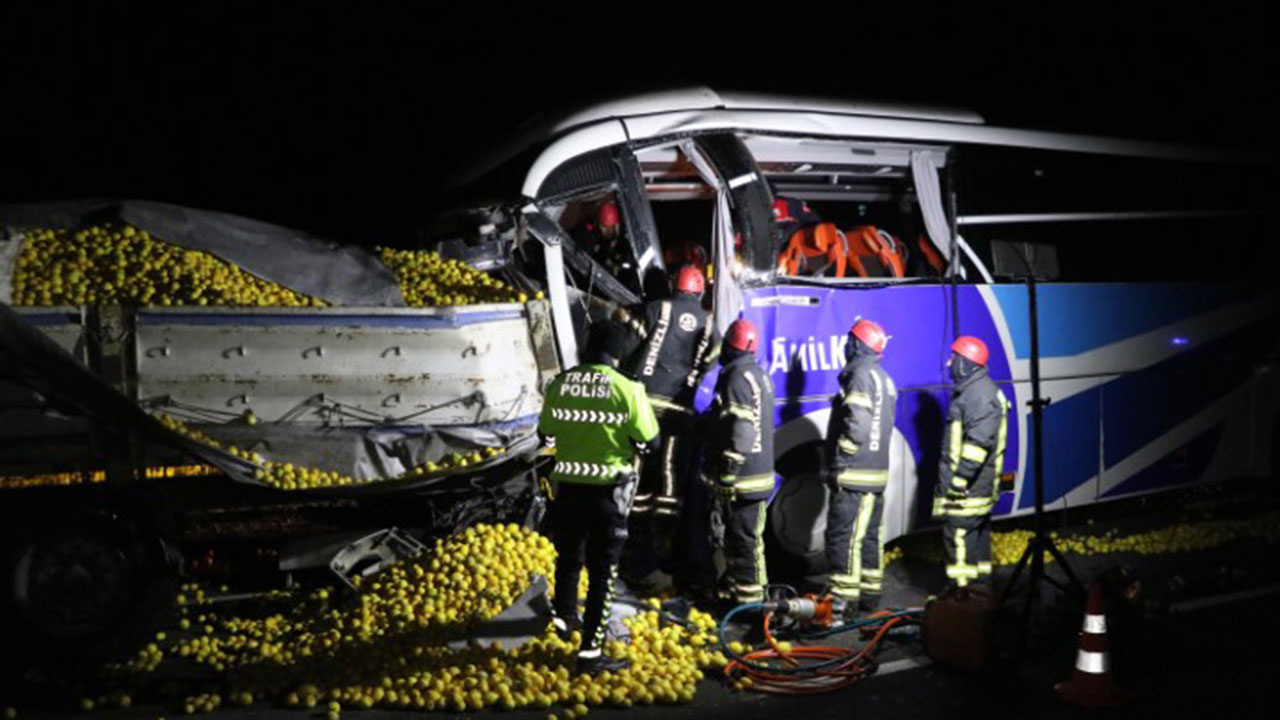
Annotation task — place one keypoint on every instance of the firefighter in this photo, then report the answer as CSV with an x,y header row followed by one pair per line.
x,y
739,460
669,362
604,241
858,434
972,456
597,420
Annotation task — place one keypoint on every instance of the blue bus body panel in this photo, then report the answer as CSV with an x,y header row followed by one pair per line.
x,y
1133,371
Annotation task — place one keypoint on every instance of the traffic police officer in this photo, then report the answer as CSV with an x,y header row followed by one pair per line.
x,y
972,456
740,459
597,420
670,361
858,435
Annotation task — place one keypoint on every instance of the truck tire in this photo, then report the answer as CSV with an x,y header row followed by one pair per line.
x,y
81,588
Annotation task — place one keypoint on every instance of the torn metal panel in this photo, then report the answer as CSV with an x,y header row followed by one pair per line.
x,y
524,620
637,214
374,553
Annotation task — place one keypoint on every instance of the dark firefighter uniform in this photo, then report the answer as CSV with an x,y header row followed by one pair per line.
x,y
858,436
740,459
972,455
675,352
597,419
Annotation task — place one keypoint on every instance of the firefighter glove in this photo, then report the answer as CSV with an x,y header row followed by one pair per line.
x,y
727,492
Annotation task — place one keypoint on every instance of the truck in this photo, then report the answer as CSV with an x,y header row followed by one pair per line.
x,y
929,220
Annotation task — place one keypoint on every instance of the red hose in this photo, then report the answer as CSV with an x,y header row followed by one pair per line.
x,y
855,664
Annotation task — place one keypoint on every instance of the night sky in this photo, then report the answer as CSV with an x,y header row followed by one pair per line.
x,y
342,121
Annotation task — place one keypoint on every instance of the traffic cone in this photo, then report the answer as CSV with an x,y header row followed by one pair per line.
x,y
1091,685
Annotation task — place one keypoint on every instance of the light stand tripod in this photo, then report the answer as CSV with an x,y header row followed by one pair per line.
x,y
1032,559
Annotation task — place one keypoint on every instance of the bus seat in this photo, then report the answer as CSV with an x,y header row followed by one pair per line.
x,y
875,253
815,250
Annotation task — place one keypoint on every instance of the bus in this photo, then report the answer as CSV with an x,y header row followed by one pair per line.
x,y
1158,319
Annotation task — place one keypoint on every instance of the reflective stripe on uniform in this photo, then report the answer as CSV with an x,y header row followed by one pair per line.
x,y
960,571
957,435
846,587
752,483
858,398
958,482
968,507
735,456
862,478
974,453
594,417
847,446
741,411
761,517
866,505
597,640
586,469
957,510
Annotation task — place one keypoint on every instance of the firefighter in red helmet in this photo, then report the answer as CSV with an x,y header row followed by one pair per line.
x,y
602,237
858,436
739,460
677,346
971,460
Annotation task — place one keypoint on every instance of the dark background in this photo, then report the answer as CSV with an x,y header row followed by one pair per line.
x,y
342,120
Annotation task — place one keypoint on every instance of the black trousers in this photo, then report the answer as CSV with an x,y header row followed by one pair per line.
x,y
967,541
694,556
661,498
590,528
745,572
854,545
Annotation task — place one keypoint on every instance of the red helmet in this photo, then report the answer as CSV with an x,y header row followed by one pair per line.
x,y
742,336
871,335
607,215
690,280
780,213
970,347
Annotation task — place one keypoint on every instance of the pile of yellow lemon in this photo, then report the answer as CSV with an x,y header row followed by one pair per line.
x,y
288,476
120,264
1187,536
428,280
385,647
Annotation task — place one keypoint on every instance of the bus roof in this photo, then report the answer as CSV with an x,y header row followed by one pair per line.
x,y
546,127
701,109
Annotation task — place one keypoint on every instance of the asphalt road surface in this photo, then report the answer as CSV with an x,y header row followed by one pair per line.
x,y
1207,641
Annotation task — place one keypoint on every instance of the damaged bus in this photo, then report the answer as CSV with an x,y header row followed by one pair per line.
x,y
1158,312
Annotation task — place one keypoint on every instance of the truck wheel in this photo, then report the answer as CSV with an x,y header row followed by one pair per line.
x,y
80,591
